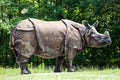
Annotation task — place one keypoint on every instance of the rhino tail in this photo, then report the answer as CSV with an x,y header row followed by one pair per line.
x,y
11,43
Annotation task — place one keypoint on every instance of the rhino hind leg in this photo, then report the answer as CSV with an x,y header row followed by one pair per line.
x,y
22,62
59,61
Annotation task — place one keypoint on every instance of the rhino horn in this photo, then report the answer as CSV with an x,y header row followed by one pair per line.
x,y
96,23
106,33
85,23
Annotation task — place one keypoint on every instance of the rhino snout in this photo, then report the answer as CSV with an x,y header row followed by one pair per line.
x,y
107,40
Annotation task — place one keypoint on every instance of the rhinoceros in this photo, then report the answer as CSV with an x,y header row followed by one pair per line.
x,y
54,39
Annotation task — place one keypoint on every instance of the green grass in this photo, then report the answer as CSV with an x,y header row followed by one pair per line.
x,y
47,74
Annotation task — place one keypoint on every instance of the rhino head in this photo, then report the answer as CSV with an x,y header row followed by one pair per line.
x,y
94,38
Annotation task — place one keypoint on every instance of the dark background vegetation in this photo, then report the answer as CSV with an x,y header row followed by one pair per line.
x,y
106,11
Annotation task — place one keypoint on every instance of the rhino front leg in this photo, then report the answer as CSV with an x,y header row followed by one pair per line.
x,y
69,60
59,61
22,62
24,69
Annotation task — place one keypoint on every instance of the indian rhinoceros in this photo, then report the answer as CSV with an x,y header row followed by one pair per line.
x,y
54,39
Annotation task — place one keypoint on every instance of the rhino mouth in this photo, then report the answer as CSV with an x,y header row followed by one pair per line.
x,y
104,44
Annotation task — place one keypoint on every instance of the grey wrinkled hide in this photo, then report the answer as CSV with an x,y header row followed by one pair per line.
x,y
50,39
54,39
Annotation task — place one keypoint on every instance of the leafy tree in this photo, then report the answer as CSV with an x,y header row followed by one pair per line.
x,y
106,11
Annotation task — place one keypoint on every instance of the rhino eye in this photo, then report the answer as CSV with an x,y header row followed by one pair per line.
x,y
96,36
99,37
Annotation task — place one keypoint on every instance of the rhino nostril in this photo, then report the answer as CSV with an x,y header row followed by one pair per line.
x,y
109,41
106,41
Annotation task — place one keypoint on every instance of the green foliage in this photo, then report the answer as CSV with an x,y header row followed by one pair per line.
x,y
106,11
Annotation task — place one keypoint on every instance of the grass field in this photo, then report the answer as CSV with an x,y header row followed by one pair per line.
x,y
81,74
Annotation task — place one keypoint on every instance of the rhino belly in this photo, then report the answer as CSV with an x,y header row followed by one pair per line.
x,y
51,46
51,50
50,53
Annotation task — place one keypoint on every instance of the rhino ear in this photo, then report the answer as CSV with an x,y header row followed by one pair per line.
x,y
96,23
85,23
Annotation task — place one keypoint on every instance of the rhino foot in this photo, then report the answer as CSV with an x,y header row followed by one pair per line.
x,y
57,70
25,71
71,69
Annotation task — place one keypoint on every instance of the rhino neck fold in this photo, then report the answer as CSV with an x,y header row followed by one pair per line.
x,y
65,42
68,26
35,34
